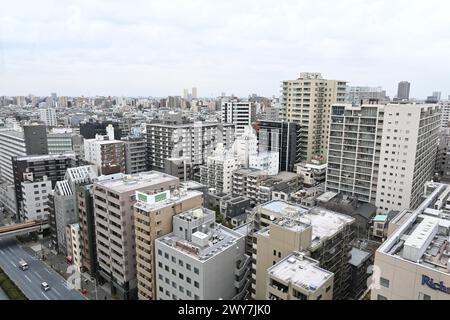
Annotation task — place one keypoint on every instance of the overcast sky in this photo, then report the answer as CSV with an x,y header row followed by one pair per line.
x,y
157,48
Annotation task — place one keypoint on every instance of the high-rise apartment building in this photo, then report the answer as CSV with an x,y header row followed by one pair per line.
x,y
403,90
240,113
193,141
152,220
48,117
383,154
308,102
114,225
201,260
135,154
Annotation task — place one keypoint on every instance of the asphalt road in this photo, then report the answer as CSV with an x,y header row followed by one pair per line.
x,y
29,281
3,295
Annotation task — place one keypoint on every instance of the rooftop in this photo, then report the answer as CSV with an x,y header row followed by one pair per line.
x,y
358,256
46,157
422,236
176,196
126,183
325,223
206,243
301,271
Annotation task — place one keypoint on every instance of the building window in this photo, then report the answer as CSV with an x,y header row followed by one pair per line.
x,y
380,297
423,296
188,266
196,271
384,282
189,293
328,288
188,280
159,252
196,284
181,276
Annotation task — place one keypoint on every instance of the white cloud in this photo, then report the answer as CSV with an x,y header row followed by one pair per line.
x,y
160,47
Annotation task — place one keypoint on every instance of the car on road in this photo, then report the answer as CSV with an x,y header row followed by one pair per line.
x,y
45,286
23,265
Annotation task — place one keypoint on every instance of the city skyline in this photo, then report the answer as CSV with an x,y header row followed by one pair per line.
x,y
157,49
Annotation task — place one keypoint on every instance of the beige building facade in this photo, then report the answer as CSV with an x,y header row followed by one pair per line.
x,y
154,220
307,101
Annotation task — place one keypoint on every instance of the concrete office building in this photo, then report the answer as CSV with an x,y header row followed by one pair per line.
x,y
86,216
48,117
403,90
217,173
282,228
282,137
312,173
308,102
298,277
63,202
193,142
34,198
358,95
106,153
135,154
65,140
15,143
114,220
239,113
201,260
178,167
73,245
65,214
383,154
153,220
245,182
414,262
35,168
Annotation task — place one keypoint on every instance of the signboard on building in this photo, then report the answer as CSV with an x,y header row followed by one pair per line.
x,y
152,198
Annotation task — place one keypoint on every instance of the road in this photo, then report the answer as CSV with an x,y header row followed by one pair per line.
x,y
3,295
29,281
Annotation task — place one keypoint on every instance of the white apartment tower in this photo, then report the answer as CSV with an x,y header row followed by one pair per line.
x,y
382,154
240,113
48,116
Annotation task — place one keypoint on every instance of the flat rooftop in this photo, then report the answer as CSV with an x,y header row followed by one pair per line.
x,y
422,236
46,157
325,223
301,271
220,238
126,183
175,197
